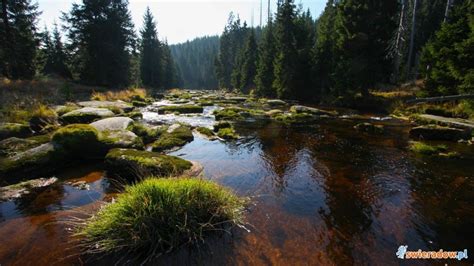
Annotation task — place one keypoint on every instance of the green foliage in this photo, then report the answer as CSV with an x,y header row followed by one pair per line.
x,y
248,69
55,58
18,44
159,215
195,62
151,67
448,58
264,76
101,35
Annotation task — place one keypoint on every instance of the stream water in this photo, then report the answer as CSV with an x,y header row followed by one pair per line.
x,y
321,195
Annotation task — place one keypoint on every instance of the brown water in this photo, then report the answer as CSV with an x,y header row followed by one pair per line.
x,y
322,195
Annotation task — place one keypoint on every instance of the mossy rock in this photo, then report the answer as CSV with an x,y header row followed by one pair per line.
x,y
222,124
32,162
310,110
120,139
8,130
139,103
64,109
136,115
275,102
29,187
205,131
230,113
434,132
369,128
426,149
79,140
147,133
13,145
131,164
227,133
175,136
86,115
183,109
295,118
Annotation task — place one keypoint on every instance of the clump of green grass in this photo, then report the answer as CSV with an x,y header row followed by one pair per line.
x,y
426,149
159,215
43,118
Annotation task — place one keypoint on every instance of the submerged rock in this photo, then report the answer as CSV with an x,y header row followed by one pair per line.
x,y
370,128
434,132
130,163
27,187
8,130
86,115
112,123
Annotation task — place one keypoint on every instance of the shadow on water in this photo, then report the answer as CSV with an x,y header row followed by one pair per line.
x,y
321,195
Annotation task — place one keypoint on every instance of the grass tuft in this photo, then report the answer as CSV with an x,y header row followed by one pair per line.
x,y
159,215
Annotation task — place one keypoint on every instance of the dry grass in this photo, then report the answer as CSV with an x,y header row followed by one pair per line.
x,y
123,95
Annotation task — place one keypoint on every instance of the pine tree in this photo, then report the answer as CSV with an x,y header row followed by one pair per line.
x,y
323,51
55,56
448,58
151,62
305,39
248,66
169,68
18,38
264,76
364,29
101,35
285,64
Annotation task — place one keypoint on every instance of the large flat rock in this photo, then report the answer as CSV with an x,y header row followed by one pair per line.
x,y
112,123
449,121
86,115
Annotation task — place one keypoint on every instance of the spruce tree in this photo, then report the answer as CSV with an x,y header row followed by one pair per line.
x,y
305,39
364,30
264,76
448,58
18,38
101,36
248,65
55,56
323,51
151,62
169,68
285,64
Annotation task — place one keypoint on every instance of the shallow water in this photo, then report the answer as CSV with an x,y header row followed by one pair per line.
x,y
321,194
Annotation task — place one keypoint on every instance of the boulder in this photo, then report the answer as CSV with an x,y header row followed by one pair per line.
x,y
125,107
310,110
112,123
13,145
434,132
79,140
8,130
177,135
132,164
276,102
25,188
86,115
121,139
274,112
183,109
32,162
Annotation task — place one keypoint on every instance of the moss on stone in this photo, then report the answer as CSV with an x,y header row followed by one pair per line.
x,y
147,134
8,130
227,133
120,139
295,118
183,109
139,103
80,140
205,131
426,149
222,124
130,163
230,113
173,137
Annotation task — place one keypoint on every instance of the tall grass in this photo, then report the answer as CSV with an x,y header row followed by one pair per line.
x,y
123,95
158,215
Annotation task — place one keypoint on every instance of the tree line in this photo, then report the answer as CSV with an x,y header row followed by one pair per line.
x,y
100,47
354,46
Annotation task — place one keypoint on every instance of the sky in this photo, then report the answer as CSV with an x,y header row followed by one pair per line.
x,y
182,20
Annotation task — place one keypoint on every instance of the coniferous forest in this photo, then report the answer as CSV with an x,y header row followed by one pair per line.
x,y
185,133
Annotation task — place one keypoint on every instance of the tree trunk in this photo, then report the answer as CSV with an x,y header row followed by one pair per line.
x,y
412,40
446,13
396,71
7,38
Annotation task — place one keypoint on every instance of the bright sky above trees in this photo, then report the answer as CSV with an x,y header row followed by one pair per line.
x,y
181,20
